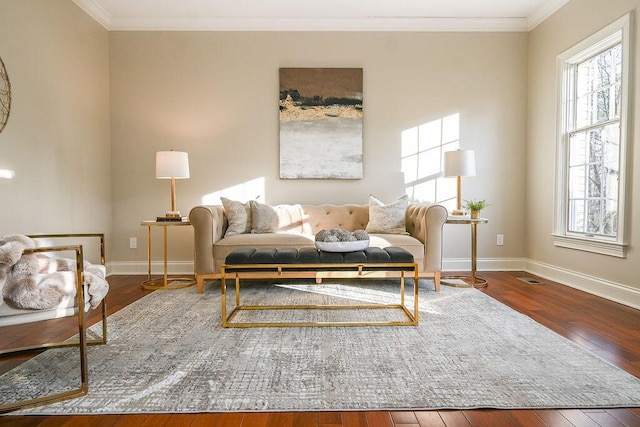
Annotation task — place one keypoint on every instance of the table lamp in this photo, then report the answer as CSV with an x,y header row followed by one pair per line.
x,y
172,165
459,163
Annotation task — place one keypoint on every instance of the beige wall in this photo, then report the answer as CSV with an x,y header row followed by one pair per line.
x,y
601,274
215,95
57,137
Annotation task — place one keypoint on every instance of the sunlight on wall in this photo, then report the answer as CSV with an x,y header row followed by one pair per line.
x,y
7,174
250,190
422,152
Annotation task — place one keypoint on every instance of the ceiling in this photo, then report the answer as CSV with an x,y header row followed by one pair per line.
x,y
320,15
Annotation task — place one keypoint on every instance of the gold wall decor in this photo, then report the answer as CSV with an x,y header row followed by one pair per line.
x,y
5,96
321,123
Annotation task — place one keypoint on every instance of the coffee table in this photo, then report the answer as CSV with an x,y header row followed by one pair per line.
x,y
310,263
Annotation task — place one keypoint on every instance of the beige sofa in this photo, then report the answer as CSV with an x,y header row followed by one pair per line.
x,y
424,223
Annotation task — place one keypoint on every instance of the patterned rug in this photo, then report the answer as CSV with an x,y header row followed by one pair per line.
x,y
168,353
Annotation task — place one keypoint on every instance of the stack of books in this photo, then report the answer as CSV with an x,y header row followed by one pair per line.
x,y
171,219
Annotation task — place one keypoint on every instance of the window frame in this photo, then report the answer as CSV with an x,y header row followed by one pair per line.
x,y
618,31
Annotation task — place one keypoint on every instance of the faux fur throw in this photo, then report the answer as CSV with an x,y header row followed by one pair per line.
x,y
36,281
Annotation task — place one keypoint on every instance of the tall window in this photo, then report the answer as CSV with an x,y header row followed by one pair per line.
x,y
592,142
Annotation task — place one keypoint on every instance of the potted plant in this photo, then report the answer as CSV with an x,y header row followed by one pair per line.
x,y
475,206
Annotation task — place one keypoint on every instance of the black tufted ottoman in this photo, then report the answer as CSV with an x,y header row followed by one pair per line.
x,y
310,263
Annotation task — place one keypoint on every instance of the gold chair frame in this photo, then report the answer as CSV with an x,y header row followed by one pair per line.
x,y
318,272
82,342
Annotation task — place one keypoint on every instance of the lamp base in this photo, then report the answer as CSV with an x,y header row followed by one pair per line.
x,y
173,214
458,212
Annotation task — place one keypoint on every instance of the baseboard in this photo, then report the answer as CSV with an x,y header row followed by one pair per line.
x,y
157,267
594,285
485,264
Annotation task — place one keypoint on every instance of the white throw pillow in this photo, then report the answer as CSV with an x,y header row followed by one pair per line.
x,y
238,215
387,219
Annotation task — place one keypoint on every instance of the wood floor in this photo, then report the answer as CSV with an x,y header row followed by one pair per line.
x,y
611,330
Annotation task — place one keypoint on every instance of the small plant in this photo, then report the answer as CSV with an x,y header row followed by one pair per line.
x,y
475,205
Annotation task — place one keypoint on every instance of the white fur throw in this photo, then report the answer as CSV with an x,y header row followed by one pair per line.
x,y
36,281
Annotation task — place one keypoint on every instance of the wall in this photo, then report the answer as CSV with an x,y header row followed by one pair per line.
x,y
57,138
604,275
215,95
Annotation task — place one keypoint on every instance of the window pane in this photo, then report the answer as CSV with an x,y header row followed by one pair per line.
x,y
603,106
595,180
577,182
616,53
578,149
576,216
594,215
598,88
611,219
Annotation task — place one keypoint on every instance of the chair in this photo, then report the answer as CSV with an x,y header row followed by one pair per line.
x,y
10,316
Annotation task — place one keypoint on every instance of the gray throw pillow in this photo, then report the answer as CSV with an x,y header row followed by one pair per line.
x,y
264,218
387,219
238,215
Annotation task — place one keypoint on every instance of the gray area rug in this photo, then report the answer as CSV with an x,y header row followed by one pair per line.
x,y
168,353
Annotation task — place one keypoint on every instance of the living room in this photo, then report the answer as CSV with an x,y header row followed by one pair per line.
x,y
91,106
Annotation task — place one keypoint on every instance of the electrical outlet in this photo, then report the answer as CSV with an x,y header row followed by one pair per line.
x,y
500,240
133,243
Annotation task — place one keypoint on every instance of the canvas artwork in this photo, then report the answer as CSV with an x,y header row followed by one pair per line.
x,y
321,123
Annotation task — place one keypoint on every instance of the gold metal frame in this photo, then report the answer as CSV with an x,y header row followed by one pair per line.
x,y
82,341
318,272
473,280
165,282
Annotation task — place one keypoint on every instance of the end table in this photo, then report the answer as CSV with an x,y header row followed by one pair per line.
x,y
164,282
474,280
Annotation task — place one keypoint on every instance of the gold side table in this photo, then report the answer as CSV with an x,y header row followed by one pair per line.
x,y
473,280
164,282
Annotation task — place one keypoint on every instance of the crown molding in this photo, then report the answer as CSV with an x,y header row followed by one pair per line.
x,y
546,10
414,24
111,23
95,11
328,24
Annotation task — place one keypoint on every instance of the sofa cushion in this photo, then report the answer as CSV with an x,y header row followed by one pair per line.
x,y
272,219
238,216
387,219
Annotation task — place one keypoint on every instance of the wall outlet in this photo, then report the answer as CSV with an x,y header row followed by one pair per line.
x,y
500,240
133,243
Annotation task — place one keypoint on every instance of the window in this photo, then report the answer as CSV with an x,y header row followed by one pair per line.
x,y
592,142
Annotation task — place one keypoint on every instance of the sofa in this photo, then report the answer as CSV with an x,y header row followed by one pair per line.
x,y
219,229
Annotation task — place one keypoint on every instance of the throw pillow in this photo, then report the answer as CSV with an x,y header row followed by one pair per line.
x,y
264,218
238,215
387,219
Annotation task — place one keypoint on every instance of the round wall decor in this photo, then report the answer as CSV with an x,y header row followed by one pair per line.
x,y
5,96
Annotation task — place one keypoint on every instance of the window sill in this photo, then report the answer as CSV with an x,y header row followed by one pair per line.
x,y
596,246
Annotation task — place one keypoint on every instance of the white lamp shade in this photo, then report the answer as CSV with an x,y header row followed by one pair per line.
x,y
172,164
460,163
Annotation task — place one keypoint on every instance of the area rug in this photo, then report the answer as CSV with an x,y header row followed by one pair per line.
x,y
168,353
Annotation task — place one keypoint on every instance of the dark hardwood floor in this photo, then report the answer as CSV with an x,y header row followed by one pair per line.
x,y
609,329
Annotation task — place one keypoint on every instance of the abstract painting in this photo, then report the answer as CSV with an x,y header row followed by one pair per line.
x,y
321,123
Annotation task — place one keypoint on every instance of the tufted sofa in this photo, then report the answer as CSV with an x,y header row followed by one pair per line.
x,y
423,239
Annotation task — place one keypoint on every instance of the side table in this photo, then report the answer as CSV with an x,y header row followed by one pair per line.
x,y
164,282
474,280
